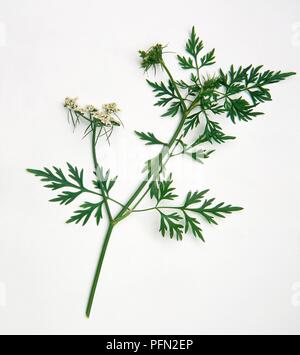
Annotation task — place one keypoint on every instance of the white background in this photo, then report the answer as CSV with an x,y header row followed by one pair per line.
x,y
245,279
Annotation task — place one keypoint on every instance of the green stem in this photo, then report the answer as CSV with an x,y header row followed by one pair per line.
x,y
164,152
174,85
97,167
108,235
126,211
98,271
145,210
157,208
197,68
116,202
157,174
98,194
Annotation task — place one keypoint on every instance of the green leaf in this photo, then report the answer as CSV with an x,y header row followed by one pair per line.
x,y
257,83
169,224
104,181
186,63
191,224
192,122
173,110
85,213
241,109
66,197
57,180
205,209
75,175
252,80
193,152
149,138
166,95
163,190
194,198
99,213
208,59
260,95
199,155
213,133
210,212
194,46
155,166
271,77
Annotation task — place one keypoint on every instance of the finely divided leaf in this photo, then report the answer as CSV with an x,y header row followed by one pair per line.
x,y
213,133
166,95
240,109
104,181
192,224
170,224
210,212
194,46
186,63
173,110
57,180
208,59
163,190
75,175
183,218
271,77
66,197
192,122
149,138
194,198
85,213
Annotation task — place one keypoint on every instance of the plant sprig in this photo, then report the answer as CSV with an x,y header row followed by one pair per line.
x,y
198,100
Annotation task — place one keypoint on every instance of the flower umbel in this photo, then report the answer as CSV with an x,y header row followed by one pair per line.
x,y
152,57
71,103
111,108
106,119
103,120
91,108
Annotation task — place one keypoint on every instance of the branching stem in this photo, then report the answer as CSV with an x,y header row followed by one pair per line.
x,y
126,209
94,139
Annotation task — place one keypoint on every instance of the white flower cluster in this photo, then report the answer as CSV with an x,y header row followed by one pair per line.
x,y
71,103
107,116
111,108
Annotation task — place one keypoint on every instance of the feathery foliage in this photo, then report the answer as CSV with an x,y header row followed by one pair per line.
x,y
199,100
149,138
183,219
85,213
55,180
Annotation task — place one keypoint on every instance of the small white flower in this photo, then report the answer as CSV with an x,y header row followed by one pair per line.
x,y
71,103
107,117
111,108
91,109
115,120
103,117
81,110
